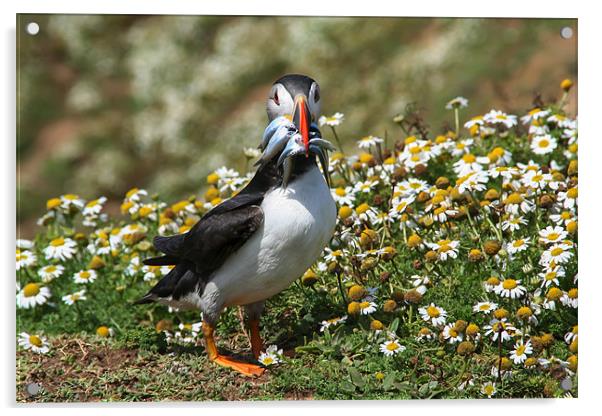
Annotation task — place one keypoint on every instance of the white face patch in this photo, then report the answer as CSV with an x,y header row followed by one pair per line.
x,y
280,103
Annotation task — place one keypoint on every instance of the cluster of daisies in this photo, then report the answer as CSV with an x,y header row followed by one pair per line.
x,y
492,202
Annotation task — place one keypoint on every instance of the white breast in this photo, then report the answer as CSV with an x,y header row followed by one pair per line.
x,y
298,223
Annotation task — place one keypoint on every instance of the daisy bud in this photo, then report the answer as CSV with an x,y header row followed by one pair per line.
x,y
572,360
211,194
309,278
376,325
414,241
537,343
399,173
500,313
492,194
389,306
465,348
506,364
524,313
96,263
554,294
384,276
475,255
530,362
460,325
412,296
546,201
368,238
547,340
574,347
442,182
397,295
103,331
353,308
431,256
212,178
493,281
164,325
566,84
571,227
472,330
388,253
379,376
492,247
356,292
423,197
368,264
572,169
420,169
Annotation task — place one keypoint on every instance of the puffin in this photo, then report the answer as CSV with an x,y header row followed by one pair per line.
x,y
257,243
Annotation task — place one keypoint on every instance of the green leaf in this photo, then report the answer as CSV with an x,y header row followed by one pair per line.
x,y
394,325
388,381
356,377
347,387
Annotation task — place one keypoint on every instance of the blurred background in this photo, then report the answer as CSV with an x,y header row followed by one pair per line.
x,y
106,103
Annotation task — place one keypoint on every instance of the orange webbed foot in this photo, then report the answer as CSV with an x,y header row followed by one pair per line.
x,y
247,369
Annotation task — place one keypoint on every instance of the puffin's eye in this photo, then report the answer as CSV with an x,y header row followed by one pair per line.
x,y
276,100
317,94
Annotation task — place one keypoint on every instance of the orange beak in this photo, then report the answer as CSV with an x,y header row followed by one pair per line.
x,y
302,119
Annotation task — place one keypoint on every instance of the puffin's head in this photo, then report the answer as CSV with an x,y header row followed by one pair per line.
x,y
296,97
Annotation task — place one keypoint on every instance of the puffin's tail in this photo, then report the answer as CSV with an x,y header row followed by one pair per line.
x,y
170,285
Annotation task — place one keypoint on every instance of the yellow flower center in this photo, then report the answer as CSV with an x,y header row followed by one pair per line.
x,y
50,269
362,208
514,198
509,284
57,242
543,143
565,215
53,203
364,305
553,236
484,307
453,332
572,293
392,346
35,340
340,192
550,275
557,251
84,275
31,289
433,312
518,243
520,350
572,193
131,192
468,158
268,360
102,331
489,389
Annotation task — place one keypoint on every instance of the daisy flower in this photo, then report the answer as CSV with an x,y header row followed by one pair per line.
x,y
75,297
367,307
334,255
344,196
573,334
467,164
135,194
536,179
25,258
550,276
433,314
462,147
366,186
534,114
499,117
570,298
60,249
84,276
510,288
541,145
552,235
335,120
500,328
369,141
569,199
70,200
31,295
472,182
558,253
517,246
521,351
50,272
513,223
458,102
425,334
271,356
35,343
392,347
445,248
488,389
24,244
484,307
333,321
451,334
94,207
563,218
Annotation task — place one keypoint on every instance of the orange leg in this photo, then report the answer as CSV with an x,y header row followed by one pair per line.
x,y
244,368
256,342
